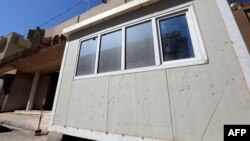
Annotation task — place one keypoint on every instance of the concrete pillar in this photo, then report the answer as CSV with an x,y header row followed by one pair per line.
x,y
33,91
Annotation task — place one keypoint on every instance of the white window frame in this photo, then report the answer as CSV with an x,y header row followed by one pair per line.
x,y
193,35
196,38
78,54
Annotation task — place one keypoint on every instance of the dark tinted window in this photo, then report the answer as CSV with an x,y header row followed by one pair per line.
x,y
175,38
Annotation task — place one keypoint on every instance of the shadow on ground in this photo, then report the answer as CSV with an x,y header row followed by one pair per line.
x,y
4,129
70,138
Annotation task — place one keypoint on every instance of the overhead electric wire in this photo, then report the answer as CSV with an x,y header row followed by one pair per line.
x,y
62,13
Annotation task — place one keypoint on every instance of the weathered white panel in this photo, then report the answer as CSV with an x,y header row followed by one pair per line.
x,y
139,105
67,77
237,40
87,107
204,98
233,108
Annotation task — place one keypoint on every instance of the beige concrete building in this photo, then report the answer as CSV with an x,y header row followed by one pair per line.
x,y
29,69
133,70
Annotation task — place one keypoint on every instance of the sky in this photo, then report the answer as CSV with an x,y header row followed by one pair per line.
x,y
241,1
21,15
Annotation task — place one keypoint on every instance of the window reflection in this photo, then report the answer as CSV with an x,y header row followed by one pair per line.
x,y
175,37
110,52
139,46
86,61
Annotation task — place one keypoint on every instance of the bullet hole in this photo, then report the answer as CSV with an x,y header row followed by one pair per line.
x,y
212,85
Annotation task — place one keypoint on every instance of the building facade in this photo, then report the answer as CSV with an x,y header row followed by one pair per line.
x,y
29,70
153,70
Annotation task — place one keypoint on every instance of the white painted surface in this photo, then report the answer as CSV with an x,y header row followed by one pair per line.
x,y
156,42
236,39
97,54
202,98
139,105
87,108
130,104
123,49
100,136
172,64
206,97
60,114
59,84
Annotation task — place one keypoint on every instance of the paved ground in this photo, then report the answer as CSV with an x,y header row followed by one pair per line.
x,y
20,126
25,121
9,133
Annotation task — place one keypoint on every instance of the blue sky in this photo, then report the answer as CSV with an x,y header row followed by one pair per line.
x,y
21,15
241,1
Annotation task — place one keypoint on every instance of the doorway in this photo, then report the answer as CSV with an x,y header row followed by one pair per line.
x,y
49,100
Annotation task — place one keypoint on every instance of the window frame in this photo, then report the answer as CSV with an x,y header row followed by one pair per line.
x,y
194,31
79,52
192,36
